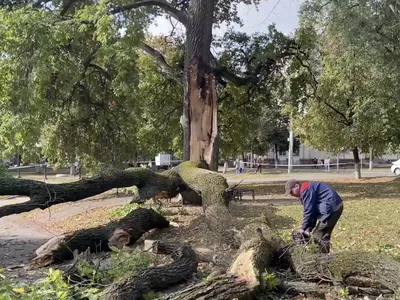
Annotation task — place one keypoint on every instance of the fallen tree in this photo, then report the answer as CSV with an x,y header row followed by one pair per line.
x,y
257,243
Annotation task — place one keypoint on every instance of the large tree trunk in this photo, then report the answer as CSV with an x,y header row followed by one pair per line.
x,y
120,233
200,126
357,168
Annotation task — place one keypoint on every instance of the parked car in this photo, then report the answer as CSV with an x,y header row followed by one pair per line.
x,y
395,168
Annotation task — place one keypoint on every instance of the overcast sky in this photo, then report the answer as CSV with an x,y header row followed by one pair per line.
x,y
284,13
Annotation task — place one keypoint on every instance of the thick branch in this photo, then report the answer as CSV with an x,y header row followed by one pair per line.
x,y
166,6
45,195
162,63
126,231
222,71
314,85
133,286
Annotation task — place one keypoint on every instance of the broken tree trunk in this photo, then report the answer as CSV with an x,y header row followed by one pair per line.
x,y
43,195
243,278
134,286
133,225
371,270
214,192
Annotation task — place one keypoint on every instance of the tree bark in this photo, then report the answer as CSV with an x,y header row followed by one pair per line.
x,y
200,126
243,278
61,248
43,195
357,168
372,270
134,286
371,159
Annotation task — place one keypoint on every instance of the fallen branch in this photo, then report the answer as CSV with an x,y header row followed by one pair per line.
x,y
43,195
97,239
134,286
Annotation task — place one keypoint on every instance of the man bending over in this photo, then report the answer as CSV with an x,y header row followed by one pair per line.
x,y
321,203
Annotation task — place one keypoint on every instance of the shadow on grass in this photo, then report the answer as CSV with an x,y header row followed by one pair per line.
x,y
349,189
249,212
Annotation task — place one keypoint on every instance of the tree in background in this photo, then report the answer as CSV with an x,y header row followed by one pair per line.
x,y
343,84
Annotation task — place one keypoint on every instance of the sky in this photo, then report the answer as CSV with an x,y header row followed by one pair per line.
x,y
284,13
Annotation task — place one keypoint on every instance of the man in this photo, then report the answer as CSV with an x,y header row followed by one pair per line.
x,y
321,202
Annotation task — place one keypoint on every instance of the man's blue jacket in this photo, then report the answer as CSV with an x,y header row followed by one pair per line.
x,y
319,201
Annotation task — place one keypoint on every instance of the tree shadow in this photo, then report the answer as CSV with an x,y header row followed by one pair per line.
x,y
249,211
15,252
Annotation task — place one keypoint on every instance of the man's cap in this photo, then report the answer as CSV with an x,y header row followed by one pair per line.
x,y
290,184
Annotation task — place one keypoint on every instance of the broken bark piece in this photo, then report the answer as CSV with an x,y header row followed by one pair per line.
x,y
134,286
136,223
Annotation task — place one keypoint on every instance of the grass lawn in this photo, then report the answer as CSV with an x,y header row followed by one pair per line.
x,y
370,220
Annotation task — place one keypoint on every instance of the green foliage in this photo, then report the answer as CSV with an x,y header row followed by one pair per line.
x,y
342,88
344,293
270,281
127,208
74,84
250,116
123,262
54,286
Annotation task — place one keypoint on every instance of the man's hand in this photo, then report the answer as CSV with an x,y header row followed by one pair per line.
x,y
303,232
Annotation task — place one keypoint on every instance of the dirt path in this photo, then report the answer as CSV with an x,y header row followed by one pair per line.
x,y
20,237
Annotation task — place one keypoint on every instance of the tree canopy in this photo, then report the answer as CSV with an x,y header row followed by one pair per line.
x,y
343,85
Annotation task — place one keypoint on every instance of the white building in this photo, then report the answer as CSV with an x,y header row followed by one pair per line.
x,y
303,153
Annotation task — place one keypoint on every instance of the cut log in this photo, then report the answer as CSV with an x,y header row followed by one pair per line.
x,y
371,270
219,288
43,195
134,286
135,224
243,278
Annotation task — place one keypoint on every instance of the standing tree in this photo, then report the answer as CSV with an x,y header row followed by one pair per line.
x,y
72,50
343,88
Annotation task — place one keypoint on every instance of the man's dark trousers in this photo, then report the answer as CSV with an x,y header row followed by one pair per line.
x,y
323,230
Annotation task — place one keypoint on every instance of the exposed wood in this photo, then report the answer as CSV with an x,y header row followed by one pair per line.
x,y
135,224
242,279
133,286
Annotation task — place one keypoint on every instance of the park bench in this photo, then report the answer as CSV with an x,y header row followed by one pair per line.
x,y
238,193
